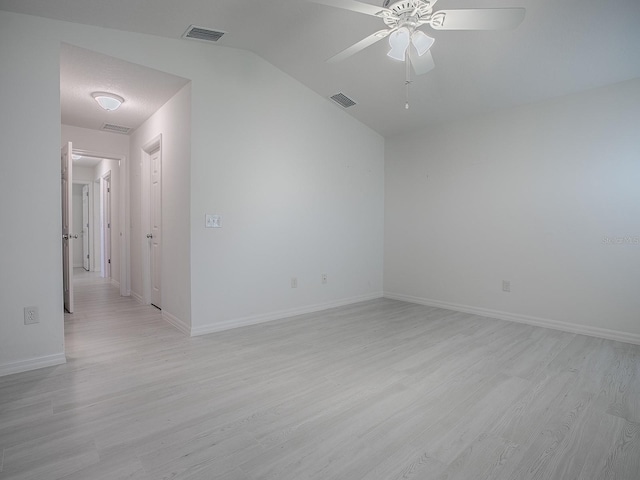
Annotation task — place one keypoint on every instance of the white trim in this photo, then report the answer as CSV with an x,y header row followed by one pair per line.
x,y
281,314
32,364
138,298
115,283
598,332
176,322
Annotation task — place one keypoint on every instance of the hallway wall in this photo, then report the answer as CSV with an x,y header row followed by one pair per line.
x,y
173,122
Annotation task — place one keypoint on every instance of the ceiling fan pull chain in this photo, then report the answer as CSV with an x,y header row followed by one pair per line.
x,y
407,82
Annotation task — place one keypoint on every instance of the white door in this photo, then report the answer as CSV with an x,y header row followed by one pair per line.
x,y
85,227
67,226
106,228
155,212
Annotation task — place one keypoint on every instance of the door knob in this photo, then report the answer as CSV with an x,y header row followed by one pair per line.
x,y
74,236
65,237
149,235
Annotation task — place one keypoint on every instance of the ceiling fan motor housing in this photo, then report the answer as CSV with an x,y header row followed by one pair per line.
x,y
406,13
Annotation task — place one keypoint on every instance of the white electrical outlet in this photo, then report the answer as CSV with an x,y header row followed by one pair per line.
x,y
324,278
506,285
294,282
31,315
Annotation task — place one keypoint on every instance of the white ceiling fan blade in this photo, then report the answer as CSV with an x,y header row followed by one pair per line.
x,y
421,64
354,6
361,45
477,19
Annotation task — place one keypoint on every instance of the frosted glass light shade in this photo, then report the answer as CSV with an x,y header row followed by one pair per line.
x,y
422,42
108,101
399,42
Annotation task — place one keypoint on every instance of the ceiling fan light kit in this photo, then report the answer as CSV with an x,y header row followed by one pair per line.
x,y
422,42
404,18
399,42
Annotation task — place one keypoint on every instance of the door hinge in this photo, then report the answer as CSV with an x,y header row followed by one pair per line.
x,y
87,256
108,225
108,190
109,261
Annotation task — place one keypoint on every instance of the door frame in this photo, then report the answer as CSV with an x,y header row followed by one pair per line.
x,y
105,224
145,210
66,189
124,225
90,232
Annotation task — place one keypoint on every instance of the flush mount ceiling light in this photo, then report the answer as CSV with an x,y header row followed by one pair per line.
x,y
108,101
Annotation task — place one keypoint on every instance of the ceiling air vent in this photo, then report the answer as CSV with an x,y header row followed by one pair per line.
x,y
200,33
342,100
110,127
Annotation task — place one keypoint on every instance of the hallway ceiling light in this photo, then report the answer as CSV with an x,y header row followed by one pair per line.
x,y
108,101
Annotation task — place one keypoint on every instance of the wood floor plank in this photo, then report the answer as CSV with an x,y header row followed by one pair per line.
x,y
377,390
615,451
554,447
484,459
456,431
52,457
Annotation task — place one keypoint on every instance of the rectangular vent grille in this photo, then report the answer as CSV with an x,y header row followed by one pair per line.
x,y
200,33
110,127
342,100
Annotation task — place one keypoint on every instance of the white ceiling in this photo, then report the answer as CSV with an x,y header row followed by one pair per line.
x,y
561,47
83,72
80,160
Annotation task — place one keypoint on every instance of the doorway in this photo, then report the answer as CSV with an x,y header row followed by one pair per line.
x,y
106,225
82,220
104,211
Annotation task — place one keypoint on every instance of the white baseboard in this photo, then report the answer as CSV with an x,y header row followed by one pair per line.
x,y
176,322
268,317
32,364
115,283
137,297
526,319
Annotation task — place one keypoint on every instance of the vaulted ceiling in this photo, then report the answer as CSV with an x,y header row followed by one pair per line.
x,y
561,47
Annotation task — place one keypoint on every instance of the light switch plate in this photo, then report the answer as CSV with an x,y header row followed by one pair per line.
x,y
212,221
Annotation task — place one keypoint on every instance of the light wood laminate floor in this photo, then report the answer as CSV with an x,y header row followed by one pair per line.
x,y
380,390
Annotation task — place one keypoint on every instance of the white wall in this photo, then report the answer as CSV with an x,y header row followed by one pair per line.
x,y
173,122
300,184
96,141
526,195
300,187
82,174
30,262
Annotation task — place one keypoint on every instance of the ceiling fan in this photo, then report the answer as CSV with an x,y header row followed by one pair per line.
x,y
404,18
